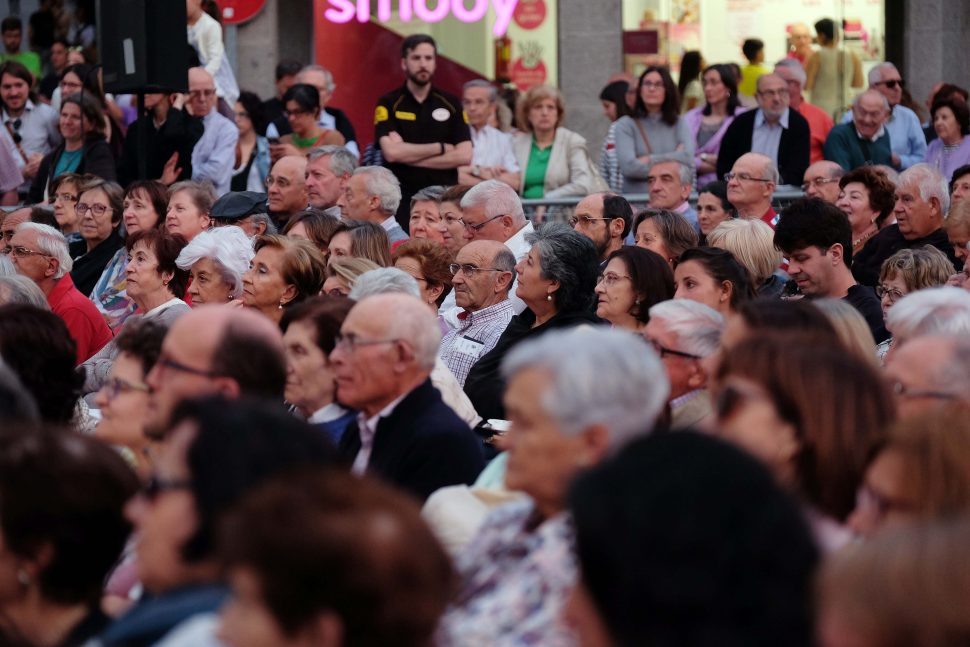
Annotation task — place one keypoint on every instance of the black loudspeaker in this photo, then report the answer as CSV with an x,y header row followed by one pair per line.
x,y
143,45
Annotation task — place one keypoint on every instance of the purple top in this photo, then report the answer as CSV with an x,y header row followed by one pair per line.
x,y
948,161
694,118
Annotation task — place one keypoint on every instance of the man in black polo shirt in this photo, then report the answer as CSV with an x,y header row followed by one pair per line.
x,y
421,130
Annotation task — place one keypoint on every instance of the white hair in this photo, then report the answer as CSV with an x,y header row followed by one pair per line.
x,y
875,74
380,182
795,68
872,93
498,198
771,172
384,280
342,161
943,310
21,289
485,85
327,75
7,267
228,247
412,321
697,326
599,376
51,242
930,182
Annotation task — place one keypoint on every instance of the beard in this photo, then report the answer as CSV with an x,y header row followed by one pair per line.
x,y
419,79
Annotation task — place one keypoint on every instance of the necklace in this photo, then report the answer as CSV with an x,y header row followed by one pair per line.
x,y
307,142
864,237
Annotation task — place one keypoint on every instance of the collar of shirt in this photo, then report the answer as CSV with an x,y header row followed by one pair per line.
x,y
330,412
470,317
29,106
684,399
368,426
759,119
389,223
683,207
879,133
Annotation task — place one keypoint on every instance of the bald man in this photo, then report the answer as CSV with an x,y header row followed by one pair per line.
x,y
286,188
750,187
865,140
822,181
404,433
212,350
214,155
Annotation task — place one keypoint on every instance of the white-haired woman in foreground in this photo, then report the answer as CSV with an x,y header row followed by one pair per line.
x,y
216,260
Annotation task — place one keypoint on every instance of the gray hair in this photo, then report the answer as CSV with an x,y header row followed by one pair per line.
x,y
697,326
875,74
498,198
771,172
428,194
942,310
872,93
266,220
384,280
202,193
482,83
930,182
327,74
21,289
380,182
7,267
569,257
685,172
504,260
795,68
412,321
598,376
229,248
342,161
51,242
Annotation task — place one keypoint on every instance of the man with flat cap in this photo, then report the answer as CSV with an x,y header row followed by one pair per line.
x,y
244,209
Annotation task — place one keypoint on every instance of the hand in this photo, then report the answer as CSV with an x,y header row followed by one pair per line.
x,y
645,160
896,161
177,100
32,166
172,171
395,138
276,151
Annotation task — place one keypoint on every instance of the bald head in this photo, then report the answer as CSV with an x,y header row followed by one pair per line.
x,y
286,191
216,350
412,321
202,92
869,112
822,181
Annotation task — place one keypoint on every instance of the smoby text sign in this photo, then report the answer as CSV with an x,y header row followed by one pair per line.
x,y
343,11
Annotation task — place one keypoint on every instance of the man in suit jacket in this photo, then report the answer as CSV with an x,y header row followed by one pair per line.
x,y
404,433
774,130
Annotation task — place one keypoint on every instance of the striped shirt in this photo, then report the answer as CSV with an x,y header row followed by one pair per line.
x,y
476,334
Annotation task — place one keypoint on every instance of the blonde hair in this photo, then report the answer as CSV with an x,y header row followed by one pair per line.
x,y
959,217
349,268
303,265
921,267
851,327
751,242
533,96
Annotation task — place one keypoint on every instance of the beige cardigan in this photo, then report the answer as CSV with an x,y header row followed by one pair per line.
x,y
569,172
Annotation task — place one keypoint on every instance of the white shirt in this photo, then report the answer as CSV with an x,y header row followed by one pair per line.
x,y
368,429
330,412
491,147
766,137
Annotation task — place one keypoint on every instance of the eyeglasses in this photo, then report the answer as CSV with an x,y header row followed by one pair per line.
x,y
64,197
893,294
195,94
818,182
351,342
904,391
281,182
479,226
663,350
23,252
169,363
744,177
470,270
338,292
156,486
586,220
97,209
771,94
117,386
891,83
451,220
652,85
610,279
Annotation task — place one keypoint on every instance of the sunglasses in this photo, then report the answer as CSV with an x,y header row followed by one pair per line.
x,y
891,84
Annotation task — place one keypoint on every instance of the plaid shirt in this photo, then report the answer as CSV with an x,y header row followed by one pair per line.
x,y
459,350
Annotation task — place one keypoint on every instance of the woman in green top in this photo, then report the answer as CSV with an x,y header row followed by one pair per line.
x,y
84,149
555,160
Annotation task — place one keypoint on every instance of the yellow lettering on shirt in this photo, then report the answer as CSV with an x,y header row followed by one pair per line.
x,y
406,116
464,115
380,114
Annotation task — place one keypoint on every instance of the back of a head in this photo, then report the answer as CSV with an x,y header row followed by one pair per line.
x,y
237,446
330,543
801,316
851,326
931,311
673,495
384,280
250,352
16,404
21,289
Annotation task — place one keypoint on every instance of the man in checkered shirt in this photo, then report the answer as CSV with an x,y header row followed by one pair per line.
x,y
483,272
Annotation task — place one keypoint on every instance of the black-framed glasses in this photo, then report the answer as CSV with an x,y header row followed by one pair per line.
x,y
586,220
904,391
116,386
663,350
469,269
98,210
891,83
23,252
169,363
744,177
156,486
479,226
351,342
818,182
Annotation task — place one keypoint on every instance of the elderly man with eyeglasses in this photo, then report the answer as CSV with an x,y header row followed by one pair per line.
x,y
286,188
40,253
865,140
750,187
604,218
214,155
483,273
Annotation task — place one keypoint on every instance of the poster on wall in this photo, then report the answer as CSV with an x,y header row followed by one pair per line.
x,y
744,20
534,44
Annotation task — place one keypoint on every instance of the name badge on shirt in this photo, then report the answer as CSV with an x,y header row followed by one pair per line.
x,y
469,346
440,114
406,116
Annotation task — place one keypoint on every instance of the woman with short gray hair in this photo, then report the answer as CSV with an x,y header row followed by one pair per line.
x,y
216,260
555,280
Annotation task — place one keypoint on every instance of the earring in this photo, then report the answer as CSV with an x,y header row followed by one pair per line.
x,y
281,305
548,297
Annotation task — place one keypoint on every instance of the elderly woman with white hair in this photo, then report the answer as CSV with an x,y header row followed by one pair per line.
x,y
932,311
687,335
519,570
216,260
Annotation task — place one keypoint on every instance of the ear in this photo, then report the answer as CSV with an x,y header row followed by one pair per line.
x,y
166,277
503,281
769,189
594,445
935,205
228,388
405,356
374,203
289,293
553,287
206,221
260,228
836,252
727,289
616,228
434,291
52,266
696,378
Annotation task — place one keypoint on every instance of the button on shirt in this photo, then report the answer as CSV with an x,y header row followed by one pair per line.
x,y
476,334
766,137
368,430
492,147
37,127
